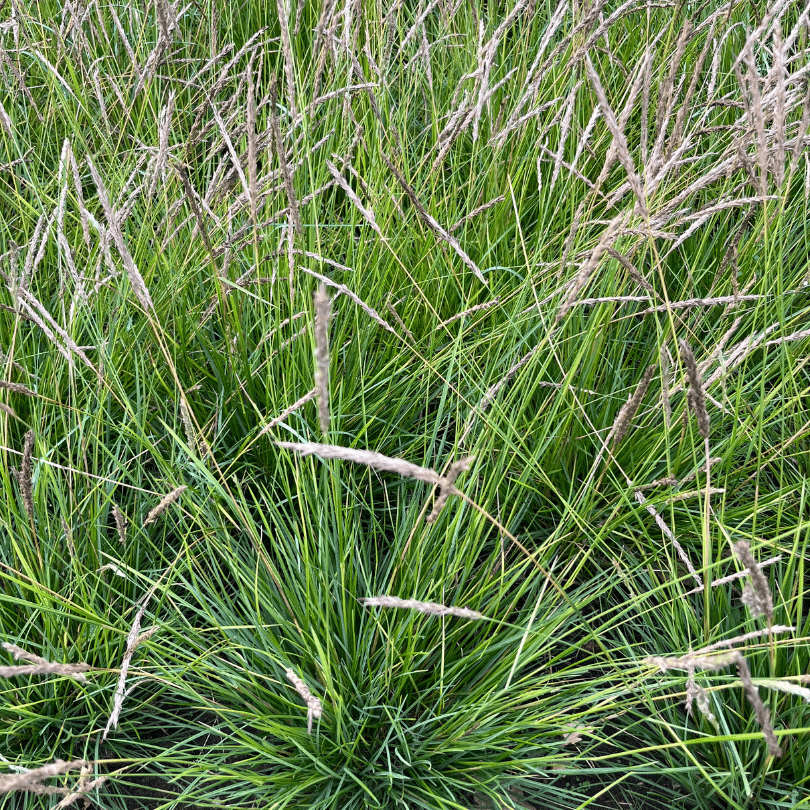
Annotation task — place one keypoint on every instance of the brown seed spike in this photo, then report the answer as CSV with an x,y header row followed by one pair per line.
x,y
697,394
757,595
164,504
626,413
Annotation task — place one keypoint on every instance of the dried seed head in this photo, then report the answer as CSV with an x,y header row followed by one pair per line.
x,y
164,504
188,426
120,523
609,235
697,394
323,309
626,413
31,780
431,608
756,595
448,485
40,666
700,660
16,388
314,706
286,173
368,457
135,278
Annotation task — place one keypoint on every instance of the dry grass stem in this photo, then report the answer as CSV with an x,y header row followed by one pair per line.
x,y
323,309
40,666
30,780
314,706
431,608
626,413
447,487
164,504
756,596
697,393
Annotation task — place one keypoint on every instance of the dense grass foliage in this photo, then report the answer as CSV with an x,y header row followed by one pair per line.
x,y
564,242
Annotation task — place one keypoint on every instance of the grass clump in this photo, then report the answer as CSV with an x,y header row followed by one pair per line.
x,y
502,251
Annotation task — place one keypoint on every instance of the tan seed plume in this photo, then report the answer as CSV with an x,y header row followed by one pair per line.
x,y
281,153
431,608
120,523
367,457
164,504
16,388
323,309
366,213
697,394
135,279
619,137
188,427
134,638
700,660
287,411
314,706
432,223
30,781
40,666
756,596
626,413
447,487
588,267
